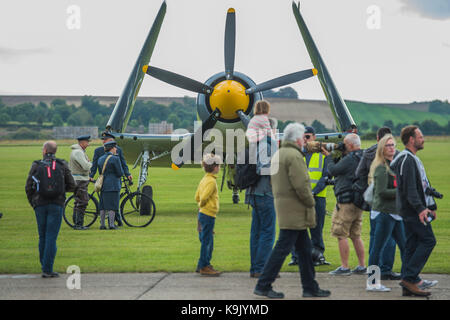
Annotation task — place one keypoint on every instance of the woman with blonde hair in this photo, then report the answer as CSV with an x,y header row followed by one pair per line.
x,y
388,222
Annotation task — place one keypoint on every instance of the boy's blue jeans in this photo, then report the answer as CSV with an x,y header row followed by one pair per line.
x,y
48,219
206,239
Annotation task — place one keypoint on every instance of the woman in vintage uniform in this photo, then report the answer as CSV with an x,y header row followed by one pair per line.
x,y
110,192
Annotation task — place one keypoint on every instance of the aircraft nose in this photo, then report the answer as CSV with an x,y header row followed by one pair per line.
x,y
229,96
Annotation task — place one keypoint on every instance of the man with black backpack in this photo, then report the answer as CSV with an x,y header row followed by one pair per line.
x,y
48,181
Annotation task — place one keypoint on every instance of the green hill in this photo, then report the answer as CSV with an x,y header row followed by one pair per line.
x,y
377,114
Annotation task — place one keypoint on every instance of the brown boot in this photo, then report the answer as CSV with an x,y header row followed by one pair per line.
x,y
209,271
411,289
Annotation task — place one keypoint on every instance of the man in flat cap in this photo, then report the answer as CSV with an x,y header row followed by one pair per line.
x,y
100,151
317,168
80,165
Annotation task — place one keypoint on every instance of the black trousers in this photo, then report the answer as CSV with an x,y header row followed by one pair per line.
x,y
420,242
287,239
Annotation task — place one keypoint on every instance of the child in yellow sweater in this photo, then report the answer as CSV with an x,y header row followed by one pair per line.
x,y
207,198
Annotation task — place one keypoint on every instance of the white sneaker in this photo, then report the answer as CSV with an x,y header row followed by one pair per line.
x,y
378,288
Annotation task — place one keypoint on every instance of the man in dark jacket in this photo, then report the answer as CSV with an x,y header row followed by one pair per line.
x,y
362,174
99,152
48,211
415,206
347,218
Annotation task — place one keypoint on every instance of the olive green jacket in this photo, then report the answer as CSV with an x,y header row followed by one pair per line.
x,y
384,191
291,188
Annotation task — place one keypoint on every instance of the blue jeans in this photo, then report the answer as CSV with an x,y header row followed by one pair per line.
x,y
386,228
206,237
48,219
420,242
387,257
262,233
288,238
317,232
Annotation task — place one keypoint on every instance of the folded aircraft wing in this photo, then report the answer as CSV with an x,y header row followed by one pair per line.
x,y
344,120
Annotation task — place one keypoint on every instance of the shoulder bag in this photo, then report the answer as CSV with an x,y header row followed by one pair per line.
x,y
99,183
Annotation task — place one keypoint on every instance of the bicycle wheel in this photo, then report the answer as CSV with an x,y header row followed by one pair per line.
x,y
138,209
90,215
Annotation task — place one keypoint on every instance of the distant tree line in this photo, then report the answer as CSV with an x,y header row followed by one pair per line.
x,y
428,127
440,107
31,118
93,113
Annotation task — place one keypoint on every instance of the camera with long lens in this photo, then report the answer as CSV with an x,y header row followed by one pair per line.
x,y
316,146
434,193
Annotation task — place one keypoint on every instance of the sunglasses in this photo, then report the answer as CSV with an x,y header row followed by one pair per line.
x,y
390,145
307,136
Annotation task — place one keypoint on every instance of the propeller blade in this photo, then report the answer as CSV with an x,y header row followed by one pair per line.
x,y
230,43
196,140
344,119
282,81
177,80
244,118
122,111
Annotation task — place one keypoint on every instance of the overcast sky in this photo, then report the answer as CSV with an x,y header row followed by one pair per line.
x,y
406,59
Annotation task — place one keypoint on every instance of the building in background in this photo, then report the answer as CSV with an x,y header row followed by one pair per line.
x,y
163,127
74,132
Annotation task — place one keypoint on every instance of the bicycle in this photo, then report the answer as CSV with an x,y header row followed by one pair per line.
x,y
137,209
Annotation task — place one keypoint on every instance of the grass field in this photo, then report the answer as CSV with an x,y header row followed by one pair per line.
x,y
171,242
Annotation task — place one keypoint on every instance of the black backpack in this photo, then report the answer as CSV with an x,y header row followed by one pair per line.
x,y
49,178
359,186
245,175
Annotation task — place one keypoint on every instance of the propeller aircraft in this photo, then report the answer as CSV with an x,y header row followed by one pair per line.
x,y
224,102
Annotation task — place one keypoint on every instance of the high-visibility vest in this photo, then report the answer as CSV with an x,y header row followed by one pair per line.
x,y
315,169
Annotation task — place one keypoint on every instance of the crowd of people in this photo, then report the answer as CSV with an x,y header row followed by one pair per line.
x,y
291,189
295,194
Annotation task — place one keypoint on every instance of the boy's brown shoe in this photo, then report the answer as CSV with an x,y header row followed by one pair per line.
x,y
209,271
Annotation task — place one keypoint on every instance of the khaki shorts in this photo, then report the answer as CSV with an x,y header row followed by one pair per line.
x,y
346,221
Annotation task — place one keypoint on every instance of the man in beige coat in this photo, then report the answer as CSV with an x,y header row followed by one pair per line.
x,y
294,206
80,166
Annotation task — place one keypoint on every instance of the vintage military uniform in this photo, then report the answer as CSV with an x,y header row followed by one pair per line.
x,y
80,166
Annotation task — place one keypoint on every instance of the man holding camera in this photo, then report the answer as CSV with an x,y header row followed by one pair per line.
x,y
416,205
347,218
